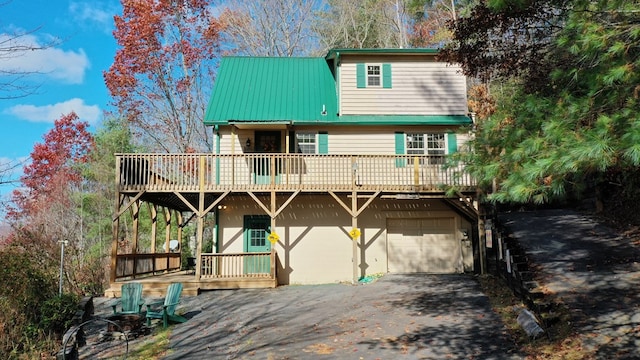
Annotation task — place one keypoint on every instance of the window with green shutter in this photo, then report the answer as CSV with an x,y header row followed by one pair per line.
x,y
435,144
373,75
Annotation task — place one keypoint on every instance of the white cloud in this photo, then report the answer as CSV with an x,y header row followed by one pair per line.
x,y
50,61
50,113
94,13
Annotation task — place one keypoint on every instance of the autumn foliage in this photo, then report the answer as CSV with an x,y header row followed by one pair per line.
x,y
53,167
164,62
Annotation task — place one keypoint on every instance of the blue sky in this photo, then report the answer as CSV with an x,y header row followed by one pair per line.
x,y
69,74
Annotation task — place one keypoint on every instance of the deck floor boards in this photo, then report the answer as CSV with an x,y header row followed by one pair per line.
x,y
157,285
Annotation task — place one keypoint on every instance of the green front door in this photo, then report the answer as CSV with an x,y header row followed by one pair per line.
x,y
256,232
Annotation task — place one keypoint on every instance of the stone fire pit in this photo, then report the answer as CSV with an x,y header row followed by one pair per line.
x,y
121,326
125,322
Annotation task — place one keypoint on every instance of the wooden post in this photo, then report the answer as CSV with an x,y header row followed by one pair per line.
x,y
200,230
115,226
416,171
134,248
272,270
179,221
354,217
273,214
354,225
153,209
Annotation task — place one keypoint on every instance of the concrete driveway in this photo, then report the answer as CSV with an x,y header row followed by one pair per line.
x,y
396,317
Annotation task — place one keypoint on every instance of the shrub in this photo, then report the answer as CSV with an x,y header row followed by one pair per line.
x,y
57,314
26,285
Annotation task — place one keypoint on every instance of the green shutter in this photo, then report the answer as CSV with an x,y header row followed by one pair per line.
x,y
323,142
361,76
400,149
452,143
386,76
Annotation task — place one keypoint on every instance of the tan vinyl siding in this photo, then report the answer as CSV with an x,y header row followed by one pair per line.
x,y
373,140
376,140
314,247
343,141
228,141
420,87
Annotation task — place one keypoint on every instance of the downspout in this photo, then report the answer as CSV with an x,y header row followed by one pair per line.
x,y
216,212
216,135
336,66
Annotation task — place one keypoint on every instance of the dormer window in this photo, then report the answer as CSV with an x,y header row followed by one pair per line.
x,y
373,75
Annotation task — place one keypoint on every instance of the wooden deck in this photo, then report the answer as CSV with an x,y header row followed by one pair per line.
x,y
196,183
288,172
217,271
157,285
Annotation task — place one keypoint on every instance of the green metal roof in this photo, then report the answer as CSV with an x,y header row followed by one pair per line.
x,y
289,90
259,89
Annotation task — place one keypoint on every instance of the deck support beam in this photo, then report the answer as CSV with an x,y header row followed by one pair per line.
x,y
354,225
355,211
135,214
153,210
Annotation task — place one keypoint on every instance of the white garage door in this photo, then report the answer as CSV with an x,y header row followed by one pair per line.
x,y
423,245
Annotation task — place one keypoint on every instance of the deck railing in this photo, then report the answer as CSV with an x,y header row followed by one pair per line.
x,y
241,265
132,265
287,172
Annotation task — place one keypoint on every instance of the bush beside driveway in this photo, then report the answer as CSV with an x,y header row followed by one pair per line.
x,y
396,317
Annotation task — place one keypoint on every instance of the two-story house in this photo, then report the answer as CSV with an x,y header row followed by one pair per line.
x,y
327,169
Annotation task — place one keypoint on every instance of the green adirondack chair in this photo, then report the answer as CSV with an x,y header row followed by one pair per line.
x,y
166,310
130,299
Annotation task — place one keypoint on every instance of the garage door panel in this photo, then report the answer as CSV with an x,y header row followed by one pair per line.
x,y
423,245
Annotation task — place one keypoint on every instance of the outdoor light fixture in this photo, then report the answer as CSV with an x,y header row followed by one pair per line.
x,y
222,207
248,143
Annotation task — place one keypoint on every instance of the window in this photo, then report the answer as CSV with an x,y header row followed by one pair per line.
x,y
436,144
415,144
373,75
427,144
306,143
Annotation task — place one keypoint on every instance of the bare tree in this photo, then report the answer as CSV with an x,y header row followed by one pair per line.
x,y
363,24
15,81
269,27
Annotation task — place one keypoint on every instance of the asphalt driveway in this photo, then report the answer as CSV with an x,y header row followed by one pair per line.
x,y
592,269
396,317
